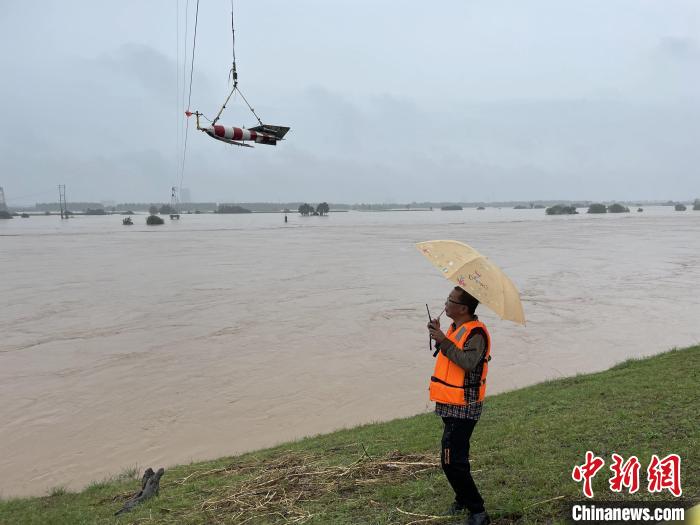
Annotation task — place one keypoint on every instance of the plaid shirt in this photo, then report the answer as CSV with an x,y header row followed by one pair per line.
x,y
473,408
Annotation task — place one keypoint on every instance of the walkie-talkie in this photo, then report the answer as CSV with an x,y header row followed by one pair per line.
x,y
430,346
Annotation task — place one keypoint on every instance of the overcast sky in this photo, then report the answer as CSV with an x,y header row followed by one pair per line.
x,y
387,101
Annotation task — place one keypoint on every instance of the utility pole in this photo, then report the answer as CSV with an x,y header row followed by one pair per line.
x,y
174,212
62,201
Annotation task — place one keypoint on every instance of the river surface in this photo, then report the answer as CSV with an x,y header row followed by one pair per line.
x,y
218,334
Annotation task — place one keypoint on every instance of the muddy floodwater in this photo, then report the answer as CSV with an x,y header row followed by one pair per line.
x,y
218,334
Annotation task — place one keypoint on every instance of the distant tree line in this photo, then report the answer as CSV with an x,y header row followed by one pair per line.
x,y
55,206
231,208
530,206
557,208
144,206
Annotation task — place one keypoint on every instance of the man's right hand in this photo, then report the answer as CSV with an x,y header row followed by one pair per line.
x,y
435,332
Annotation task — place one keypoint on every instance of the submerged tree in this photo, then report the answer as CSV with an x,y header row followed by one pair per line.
x,y
560,209
618,208
322,208
597,208
306,209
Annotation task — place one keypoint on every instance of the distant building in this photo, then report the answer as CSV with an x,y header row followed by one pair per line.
x,y
3,205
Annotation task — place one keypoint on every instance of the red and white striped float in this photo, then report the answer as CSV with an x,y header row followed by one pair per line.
x,y
232,134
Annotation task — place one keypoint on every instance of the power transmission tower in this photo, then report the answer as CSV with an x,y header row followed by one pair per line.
x,y
62,201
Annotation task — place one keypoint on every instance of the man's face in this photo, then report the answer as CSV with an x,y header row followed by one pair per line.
x,y
452,308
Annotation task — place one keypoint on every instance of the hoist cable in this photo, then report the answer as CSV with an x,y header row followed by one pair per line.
x,y
234,76
184,60
233,39
177,80
223,107
194,47
250,108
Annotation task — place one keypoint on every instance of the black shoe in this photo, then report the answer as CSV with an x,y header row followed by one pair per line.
x,y
456,508
480,518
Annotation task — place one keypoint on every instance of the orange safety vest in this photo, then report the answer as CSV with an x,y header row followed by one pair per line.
x,y
447,382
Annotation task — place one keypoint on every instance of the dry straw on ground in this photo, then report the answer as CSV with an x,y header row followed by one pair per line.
x,y
278,490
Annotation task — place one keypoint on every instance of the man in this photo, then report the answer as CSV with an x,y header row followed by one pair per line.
x,y
458,386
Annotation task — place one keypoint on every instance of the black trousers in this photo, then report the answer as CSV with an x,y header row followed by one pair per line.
x,y
455,462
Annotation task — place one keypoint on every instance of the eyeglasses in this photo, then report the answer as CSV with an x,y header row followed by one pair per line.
x,y
455,302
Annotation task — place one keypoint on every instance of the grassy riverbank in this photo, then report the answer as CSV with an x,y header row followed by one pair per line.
x,y
523,451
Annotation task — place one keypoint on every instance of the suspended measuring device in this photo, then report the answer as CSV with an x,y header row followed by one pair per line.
x,y
261,134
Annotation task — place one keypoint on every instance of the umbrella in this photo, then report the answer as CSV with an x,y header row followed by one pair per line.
x,y
474,273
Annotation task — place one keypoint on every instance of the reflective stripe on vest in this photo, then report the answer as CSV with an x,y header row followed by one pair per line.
x,y
447,382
